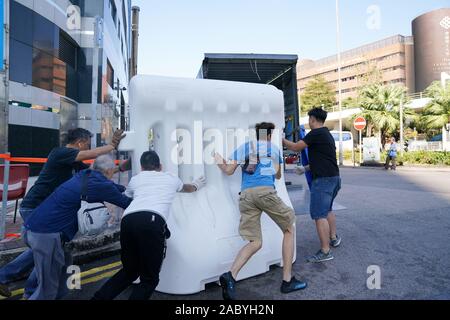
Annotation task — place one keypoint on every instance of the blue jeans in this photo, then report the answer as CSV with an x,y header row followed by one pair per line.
x,y
323,192
22,265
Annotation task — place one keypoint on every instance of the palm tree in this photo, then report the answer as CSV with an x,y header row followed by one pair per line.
x,y
381,107
436,114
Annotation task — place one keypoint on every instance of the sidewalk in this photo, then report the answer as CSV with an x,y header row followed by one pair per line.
x,y
85,249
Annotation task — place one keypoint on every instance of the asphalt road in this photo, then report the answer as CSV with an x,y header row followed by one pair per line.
x,y
397,221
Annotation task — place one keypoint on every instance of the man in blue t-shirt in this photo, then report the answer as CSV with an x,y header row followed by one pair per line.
x,y
261,164
55,222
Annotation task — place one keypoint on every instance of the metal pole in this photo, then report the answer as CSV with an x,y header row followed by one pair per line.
x,y
338,36
95,63
402,143
4,201
134,40
360,147
4,110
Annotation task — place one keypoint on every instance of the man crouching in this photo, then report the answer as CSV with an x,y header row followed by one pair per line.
x,y
144,230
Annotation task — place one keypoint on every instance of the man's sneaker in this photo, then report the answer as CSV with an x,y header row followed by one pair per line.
x,y
321,256
336,242
4,291
293,285
228,286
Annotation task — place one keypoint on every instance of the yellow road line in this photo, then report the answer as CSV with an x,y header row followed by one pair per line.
x,y
99,269
99,277
15,293
83,275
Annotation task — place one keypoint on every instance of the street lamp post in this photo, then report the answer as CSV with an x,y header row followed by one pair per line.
x,y
402,142
338,39
98,42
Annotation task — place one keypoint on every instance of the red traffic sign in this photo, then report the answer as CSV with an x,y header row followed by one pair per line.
x,y
360,123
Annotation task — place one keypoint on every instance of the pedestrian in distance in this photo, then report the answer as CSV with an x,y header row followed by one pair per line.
x,y
391,156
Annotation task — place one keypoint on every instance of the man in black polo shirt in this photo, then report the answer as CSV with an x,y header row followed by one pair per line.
x,y
61,164
326,181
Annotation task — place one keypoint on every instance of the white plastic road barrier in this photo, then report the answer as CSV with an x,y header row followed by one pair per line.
x,y
204,225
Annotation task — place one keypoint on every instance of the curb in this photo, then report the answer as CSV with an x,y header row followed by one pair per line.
x,y
402,168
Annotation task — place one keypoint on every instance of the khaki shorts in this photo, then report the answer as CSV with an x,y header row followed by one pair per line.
x,y
253,202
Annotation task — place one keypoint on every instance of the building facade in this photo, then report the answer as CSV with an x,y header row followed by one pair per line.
x,y
413,61
392,57
431,33
51,53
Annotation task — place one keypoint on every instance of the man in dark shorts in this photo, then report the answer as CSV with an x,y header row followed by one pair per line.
x,y
62,163
326,181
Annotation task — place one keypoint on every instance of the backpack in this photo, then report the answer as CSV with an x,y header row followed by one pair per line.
x,y
92,217
252,160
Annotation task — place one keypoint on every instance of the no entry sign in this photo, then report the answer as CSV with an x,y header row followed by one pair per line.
x,y
360,123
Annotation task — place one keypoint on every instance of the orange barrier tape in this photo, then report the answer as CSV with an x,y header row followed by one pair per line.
x,y
39,160
28,160
13,235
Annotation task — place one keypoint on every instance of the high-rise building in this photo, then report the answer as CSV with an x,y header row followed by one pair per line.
x,y
414,61
51,53
392,57
431,33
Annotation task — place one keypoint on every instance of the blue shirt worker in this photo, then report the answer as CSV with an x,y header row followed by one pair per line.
x,y
261,166
55,222
326,181
62,163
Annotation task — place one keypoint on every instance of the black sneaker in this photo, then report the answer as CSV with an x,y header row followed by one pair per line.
x,y
293,285
336,242
321,256
228,283
4,291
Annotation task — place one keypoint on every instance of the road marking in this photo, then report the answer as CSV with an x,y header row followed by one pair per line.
x,y
99,269
97,278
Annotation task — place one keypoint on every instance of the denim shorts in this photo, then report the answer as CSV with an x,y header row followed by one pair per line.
x,y
323,192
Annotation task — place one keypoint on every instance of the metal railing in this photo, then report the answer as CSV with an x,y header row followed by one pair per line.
x,y
426,146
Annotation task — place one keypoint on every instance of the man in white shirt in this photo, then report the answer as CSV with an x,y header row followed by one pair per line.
x,y
144,229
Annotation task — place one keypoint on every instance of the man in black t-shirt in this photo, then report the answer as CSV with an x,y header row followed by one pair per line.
x,y
326,181
62,163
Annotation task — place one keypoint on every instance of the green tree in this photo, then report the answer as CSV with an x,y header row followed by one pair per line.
x,y
381,107
350,103
437,113
318,92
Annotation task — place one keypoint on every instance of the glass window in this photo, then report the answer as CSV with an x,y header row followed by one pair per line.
x,y
345,136
59,77
21,23
42,70
45,35
110,74
21,65
71,83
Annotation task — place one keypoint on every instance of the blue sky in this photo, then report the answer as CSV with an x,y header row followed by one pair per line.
x,y
174,34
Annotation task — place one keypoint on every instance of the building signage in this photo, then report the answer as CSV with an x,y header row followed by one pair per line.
x,y
371,151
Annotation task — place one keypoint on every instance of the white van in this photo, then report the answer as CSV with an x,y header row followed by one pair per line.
x,y
347,140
